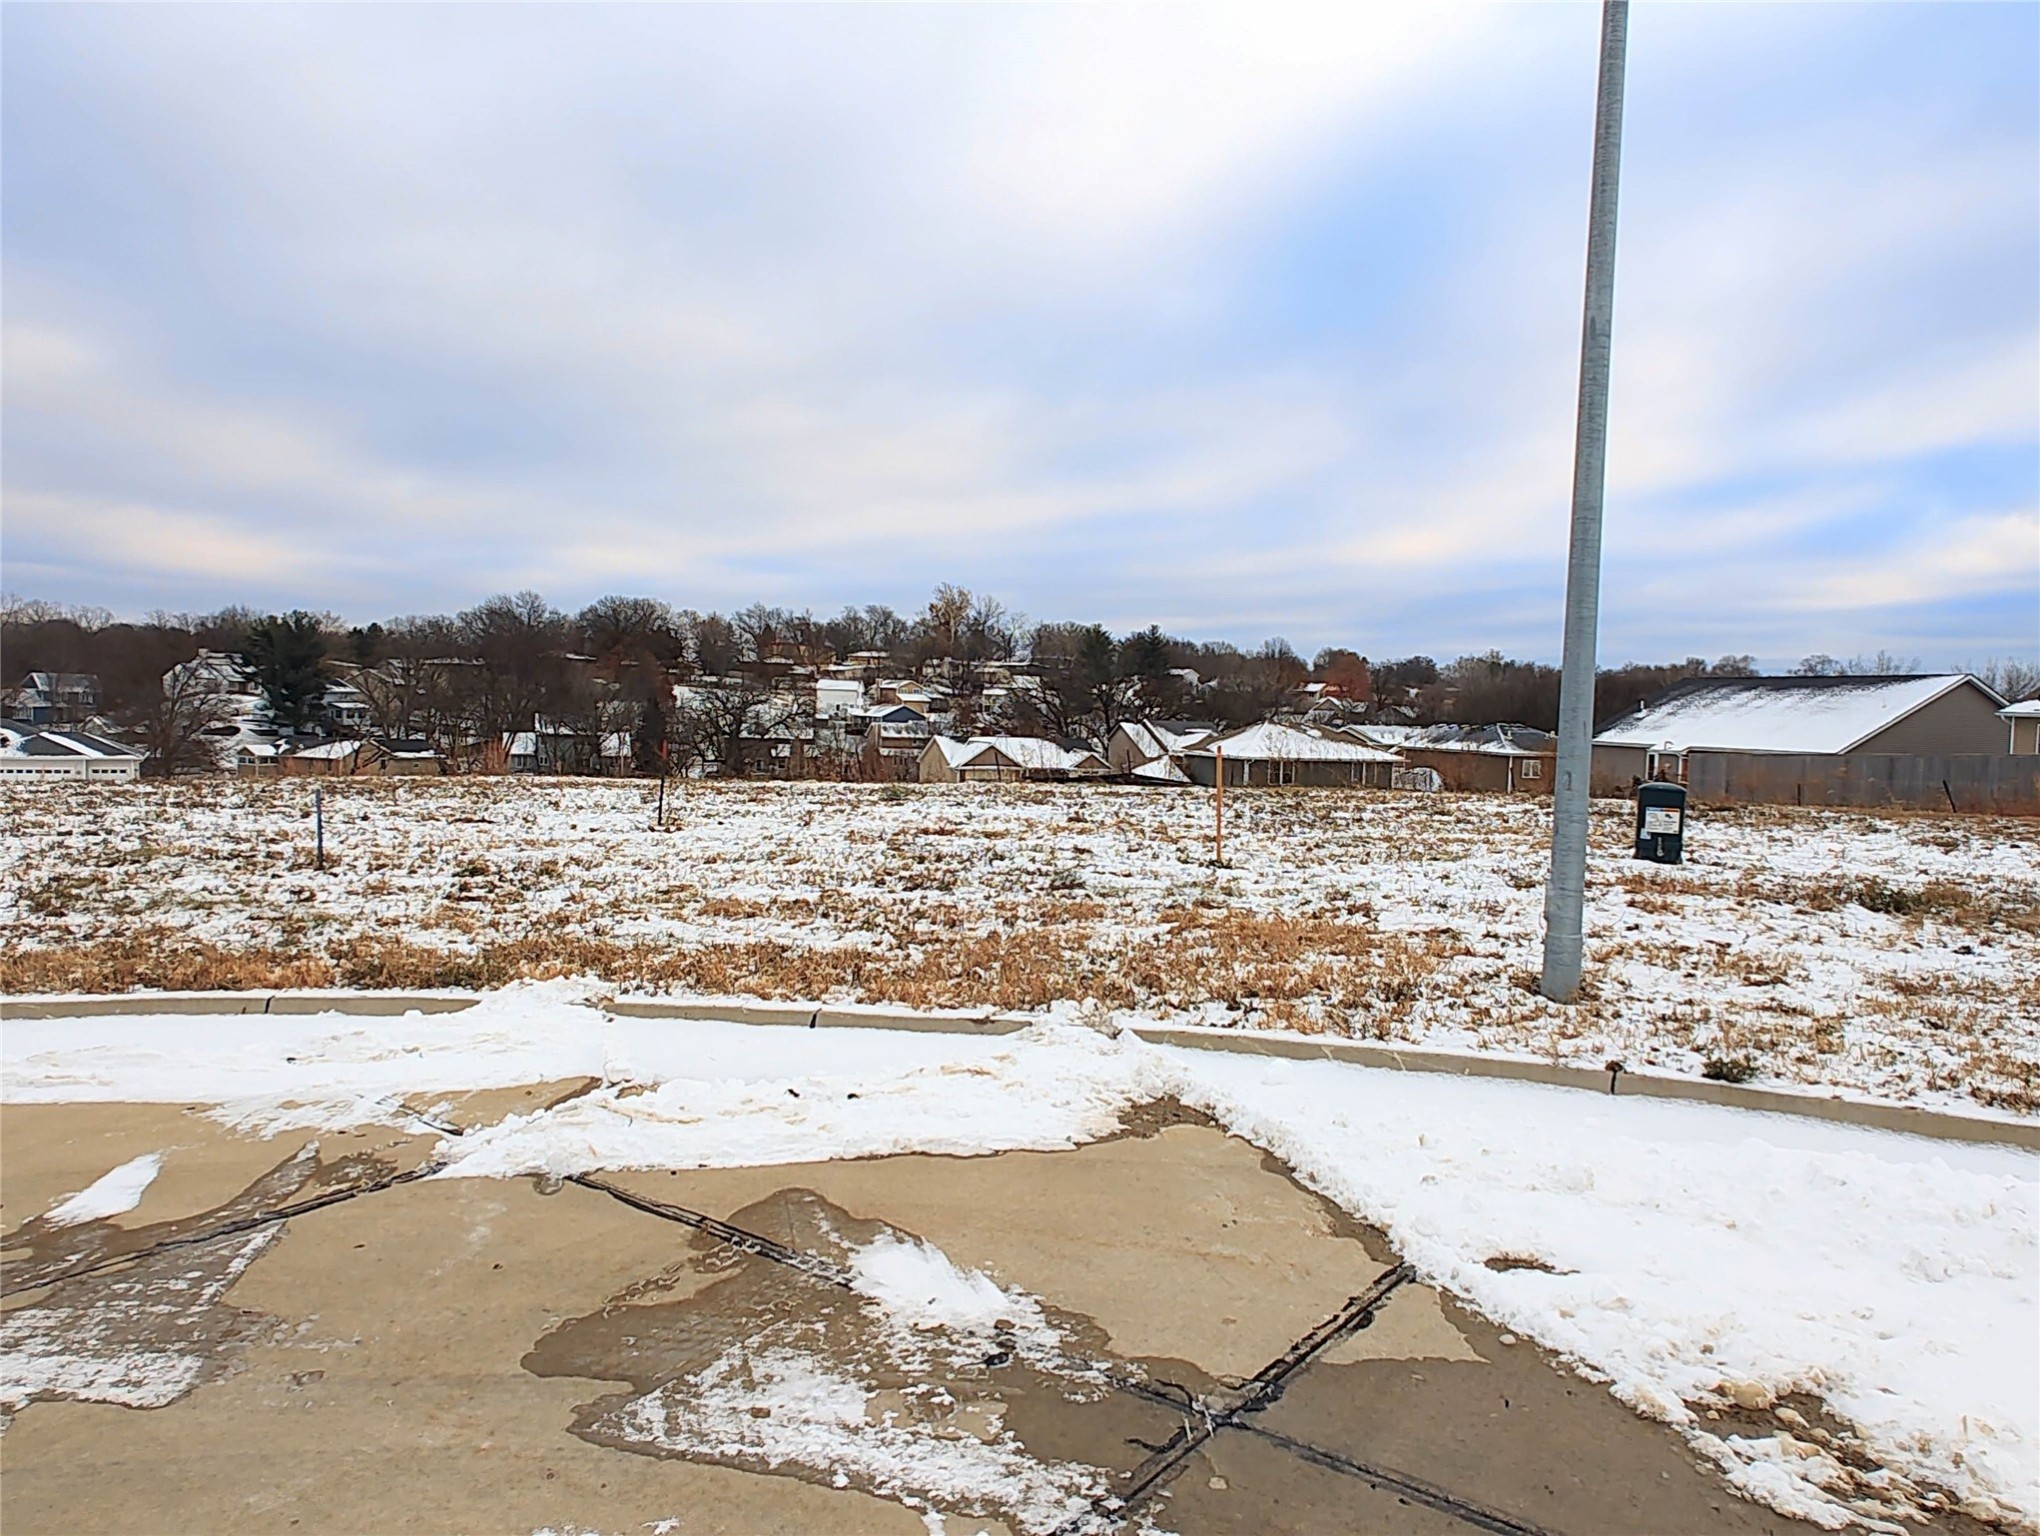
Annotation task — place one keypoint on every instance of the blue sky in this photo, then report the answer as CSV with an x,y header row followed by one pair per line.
x,y
1244,321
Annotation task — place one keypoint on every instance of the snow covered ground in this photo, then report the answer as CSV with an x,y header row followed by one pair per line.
x,y
1895,955
1696,1258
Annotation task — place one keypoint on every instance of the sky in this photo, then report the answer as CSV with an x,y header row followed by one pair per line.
x,y
1244,321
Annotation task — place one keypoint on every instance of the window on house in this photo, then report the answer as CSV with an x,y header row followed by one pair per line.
x,y
1532,769
1285,773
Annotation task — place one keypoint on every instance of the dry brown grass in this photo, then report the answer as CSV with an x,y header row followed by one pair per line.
x,y
1309,973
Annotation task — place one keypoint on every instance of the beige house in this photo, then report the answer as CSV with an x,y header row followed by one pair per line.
x,y
364,759
945,760
2024,719
1145,741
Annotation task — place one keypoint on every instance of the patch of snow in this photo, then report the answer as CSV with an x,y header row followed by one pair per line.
x,y
774,1407
922,1292
1048,1087
130,1344
1703,1248
111,1194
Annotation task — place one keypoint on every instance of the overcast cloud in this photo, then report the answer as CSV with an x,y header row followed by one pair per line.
x,y
1245,322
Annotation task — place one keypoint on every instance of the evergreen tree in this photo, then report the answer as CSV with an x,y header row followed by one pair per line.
x,y
288,655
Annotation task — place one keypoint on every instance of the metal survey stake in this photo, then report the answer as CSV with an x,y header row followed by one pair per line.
x,y
1565,892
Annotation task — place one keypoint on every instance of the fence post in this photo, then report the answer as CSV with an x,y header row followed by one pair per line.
x,y
319,824
1218,754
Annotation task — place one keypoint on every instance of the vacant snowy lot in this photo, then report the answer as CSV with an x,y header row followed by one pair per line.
x,y
1898,955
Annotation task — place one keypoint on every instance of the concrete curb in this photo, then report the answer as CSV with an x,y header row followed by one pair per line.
x,y
1936,1124
821,1016
104,1005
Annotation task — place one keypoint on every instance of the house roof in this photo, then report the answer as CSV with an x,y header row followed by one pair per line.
x,y
63,743
1486,740
329,751
1039,753
1271,742
2025,709
1818,715
958,753
1161,770
1157,738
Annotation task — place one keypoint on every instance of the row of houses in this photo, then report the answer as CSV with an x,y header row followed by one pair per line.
x,y
1168,752
1942,739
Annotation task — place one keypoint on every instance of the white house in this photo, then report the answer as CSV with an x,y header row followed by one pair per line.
x,y
67,755
836,696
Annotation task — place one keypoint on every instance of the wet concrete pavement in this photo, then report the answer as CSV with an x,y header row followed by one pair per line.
x,y
425,1354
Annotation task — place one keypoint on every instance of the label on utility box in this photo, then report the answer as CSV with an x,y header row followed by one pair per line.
x,y
1660,819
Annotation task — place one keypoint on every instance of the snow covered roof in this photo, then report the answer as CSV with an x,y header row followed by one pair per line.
x,y
1823,715
1156,738
2025,709
1271,742
1390,735
1486,740
1037,752
329,751
956,753
62,743
1161,770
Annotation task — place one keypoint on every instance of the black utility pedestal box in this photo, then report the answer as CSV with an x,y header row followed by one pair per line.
x,y
1661,823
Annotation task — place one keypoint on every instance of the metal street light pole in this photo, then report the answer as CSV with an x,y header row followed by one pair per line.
x,y
1565,894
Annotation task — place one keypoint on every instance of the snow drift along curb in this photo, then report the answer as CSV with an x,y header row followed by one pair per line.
x,y
1900,1118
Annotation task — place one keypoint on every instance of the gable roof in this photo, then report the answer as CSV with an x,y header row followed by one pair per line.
x,y
1818,715
64,743
1161,770
1272,742
1158,738
959,754
1487,740
1039,753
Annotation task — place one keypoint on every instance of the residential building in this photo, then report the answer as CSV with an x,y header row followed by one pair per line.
x,y
944,760
2024,719
894,737
1275,754
1942,714
1143,741
379,757
837,696
55,698
1501,759
64,755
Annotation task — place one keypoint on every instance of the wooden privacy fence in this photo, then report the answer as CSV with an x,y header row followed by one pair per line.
x,y
1990,783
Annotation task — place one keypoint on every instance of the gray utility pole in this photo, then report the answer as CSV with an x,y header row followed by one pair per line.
x,y
1565,893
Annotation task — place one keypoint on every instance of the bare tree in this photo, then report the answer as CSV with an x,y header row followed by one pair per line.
x,y
2009,676
728,726
174,729
759,627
